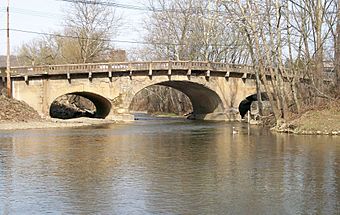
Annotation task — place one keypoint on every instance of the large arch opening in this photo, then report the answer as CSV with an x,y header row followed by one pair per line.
x,y
80,104
160,100
203,100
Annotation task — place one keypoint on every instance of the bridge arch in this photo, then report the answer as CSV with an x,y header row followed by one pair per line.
x,y
203,99
103,105
214,89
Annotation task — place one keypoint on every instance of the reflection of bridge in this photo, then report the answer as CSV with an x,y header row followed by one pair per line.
x,y
213,88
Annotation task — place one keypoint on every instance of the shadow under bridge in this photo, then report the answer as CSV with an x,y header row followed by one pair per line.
x,y
204,100
102,105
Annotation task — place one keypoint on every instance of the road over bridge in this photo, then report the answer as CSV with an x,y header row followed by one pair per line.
x,y
213,88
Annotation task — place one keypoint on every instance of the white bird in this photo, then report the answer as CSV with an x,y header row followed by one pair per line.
x,y
235,131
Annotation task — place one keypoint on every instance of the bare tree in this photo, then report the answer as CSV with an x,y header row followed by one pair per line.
x,y
86,37
193,30
92,24
39,52
169,29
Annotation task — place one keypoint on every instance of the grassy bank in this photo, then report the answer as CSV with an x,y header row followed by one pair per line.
x,y
322,120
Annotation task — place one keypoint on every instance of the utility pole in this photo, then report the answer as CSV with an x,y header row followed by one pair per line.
x,y
8,70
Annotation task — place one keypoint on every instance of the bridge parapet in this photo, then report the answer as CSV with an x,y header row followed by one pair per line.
x,y
152,67
130,67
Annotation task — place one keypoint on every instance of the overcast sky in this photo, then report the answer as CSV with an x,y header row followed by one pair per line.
x,y
46,16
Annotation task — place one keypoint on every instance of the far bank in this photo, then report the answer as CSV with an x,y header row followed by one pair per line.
x,y
318,121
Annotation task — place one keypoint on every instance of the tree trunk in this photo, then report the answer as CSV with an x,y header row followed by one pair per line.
x,y
319,45
337,51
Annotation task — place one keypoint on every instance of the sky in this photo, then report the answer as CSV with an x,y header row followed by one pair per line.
x,y
47,15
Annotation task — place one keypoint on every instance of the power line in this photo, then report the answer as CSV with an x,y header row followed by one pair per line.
x,y
56,16
110,4
111,40
192,10
117,5
28,12
75,37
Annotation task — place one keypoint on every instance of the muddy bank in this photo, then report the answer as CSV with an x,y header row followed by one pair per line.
x,y
53,123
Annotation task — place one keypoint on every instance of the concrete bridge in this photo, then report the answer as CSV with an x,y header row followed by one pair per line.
x,y
213,88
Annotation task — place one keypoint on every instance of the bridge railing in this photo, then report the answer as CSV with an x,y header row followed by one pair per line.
x,y
115,67
78,68
120,66
159,65
145,66
60,69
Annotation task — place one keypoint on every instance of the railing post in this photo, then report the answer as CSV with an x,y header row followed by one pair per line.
x,y
189,68
227,74
245,73
208,70
244,76
26,79
150,69
169,68
45,70
109,69
68,74
130,69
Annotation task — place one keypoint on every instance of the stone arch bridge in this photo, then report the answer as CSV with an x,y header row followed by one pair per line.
x,y
213,88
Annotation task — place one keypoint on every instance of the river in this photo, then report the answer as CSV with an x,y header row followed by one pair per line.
x,y
168,167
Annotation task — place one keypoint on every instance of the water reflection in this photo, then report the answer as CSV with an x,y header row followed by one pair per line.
x,y
171,167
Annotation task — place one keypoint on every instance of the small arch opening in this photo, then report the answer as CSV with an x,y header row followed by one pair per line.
x,y
80,104
245,104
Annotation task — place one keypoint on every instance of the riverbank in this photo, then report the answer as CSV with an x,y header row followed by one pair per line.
x,y
322,121
53,123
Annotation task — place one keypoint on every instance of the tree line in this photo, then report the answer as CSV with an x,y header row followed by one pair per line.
x,y
285,38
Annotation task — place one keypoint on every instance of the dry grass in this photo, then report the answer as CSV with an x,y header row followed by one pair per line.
x,y
324,118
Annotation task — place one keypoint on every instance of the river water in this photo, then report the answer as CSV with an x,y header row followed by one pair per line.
x,y
168,167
